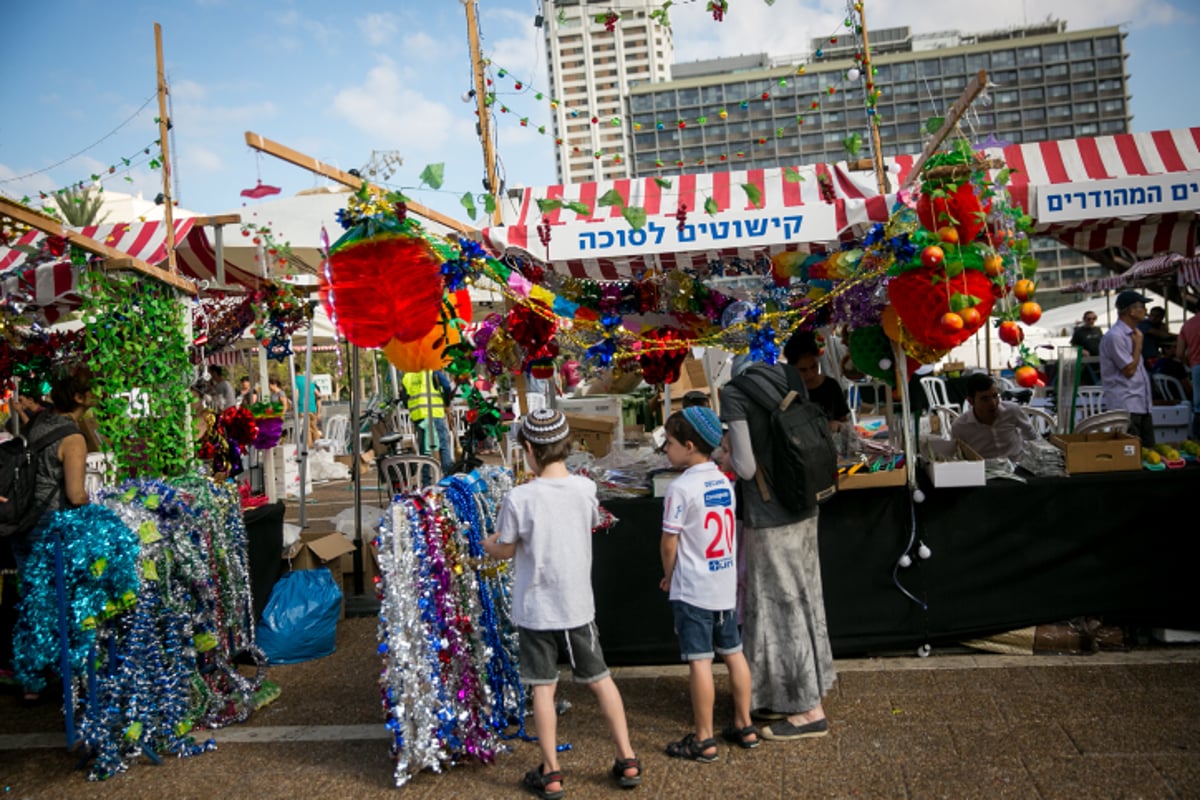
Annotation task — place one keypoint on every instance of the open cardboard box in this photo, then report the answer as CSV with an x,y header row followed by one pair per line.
x,y
872,480
1103,451
329,550
966,467
596,433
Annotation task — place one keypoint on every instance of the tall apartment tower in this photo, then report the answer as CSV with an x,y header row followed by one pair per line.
x,y
1047,83
591,71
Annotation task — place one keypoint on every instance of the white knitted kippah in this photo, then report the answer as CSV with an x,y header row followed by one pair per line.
x,y
545,426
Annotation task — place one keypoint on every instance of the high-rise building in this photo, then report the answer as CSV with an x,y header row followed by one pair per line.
x,y
592,66
1045,83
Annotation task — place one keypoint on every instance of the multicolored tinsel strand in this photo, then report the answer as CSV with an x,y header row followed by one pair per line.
x,y
449,680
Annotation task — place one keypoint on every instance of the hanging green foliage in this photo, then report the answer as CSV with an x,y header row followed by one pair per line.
x,y
138,354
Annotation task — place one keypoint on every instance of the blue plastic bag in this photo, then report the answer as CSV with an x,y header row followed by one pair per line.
x,y
300,620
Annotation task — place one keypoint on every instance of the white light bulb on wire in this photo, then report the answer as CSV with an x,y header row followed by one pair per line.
x,y
853,74
905,561
923,552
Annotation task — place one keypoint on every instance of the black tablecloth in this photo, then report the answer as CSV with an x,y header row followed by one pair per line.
x,y
1119,545
264,536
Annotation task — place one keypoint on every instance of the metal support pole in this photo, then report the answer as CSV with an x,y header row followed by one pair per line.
x,y
302,437
356,449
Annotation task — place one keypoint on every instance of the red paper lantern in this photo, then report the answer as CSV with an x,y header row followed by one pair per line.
x,y
382,289
962,205
428,352
923,296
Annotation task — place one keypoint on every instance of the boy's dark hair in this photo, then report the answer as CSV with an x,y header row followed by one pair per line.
x,y
695,398
682,431
801,343
546,454
64,389
978,382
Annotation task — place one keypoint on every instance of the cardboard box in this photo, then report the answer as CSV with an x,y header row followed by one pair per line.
x,y
872,480
662,480
597,434
1104,451
328,550
597,405
966,468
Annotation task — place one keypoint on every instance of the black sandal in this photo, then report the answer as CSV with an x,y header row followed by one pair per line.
x,y
618,772
692,750
536,780
740,736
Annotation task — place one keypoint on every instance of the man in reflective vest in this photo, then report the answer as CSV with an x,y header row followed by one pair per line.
x,y
426,394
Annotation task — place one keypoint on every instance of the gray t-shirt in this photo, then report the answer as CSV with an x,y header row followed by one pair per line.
x,y
551,520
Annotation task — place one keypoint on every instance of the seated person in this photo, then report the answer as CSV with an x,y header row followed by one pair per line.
x,y
992,427
803,354
1155,333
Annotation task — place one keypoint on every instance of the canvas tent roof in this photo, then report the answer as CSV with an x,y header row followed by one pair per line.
x,y
1138,191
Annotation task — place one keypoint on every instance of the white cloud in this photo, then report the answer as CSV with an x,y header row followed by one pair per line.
x,y
378,29
203,159
395,116
420,46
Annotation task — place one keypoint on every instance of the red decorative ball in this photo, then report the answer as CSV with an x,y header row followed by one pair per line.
x,y
933,256
951,323
1027,377
1010,333
382,289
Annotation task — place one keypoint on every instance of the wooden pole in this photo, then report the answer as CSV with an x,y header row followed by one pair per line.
x,y
972,90
164,125
345,178
115,258
483,109
877,146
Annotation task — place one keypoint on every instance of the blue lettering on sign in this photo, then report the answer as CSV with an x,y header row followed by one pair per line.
x,y
718,564
1118,198
718,497
715,231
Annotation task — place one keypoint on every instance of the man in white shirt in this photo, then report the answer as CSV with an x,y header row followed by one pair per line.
x,y
993,428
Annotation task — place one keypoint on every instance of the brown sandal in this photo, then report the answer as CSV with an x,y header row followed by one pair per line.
x,y
537,779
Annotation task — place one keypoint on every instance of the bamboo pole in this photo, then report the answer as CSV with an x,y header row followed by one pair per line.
x,y
877,146
163,127
115,258
311,164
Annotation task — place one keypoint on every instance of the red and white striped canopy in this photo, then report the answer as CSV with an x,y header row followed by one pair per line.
x,y
1137,191
1145,272
53,286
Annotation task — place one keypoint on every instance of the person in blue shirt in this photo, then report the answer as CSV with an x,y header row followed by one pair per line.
x,y
308,403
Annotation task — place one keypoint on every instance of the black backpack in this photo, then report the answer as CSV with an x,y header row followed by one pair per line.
x,y
18,479
801,467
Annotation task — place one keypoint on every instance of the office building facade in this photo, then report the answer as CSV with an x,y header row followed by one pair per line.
x,y
592,66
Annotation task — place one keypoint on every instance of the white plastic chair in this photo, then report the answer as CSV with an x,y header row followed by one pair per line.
x,y
337,429
402,424
1089,401
404,474
1170,388
1115,421
458,422
1004,384
96,465
1043,422
946,416
935,391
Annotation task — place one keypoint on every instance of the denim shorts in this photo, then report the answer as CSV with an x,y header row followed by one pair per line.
x,y
540,649
699,630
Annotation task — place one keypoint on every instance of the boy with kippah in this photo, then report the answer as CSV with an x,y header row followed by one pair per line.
x,y
546,525
700,572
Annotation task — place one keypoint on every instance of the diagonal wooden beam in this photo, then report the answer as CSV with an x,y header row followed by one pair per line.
x,y
115,258
345,178
953,115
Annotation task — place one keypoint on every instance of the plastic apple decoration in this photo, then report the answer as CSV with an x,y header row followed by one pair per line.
x,y
1010,333
948,234
933,256
971,318
1030,313
951,323
1023,289
993,265
1027,377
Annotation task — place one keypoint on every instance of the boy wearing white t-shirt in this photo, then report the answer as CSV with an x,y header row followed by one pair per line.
x,y
700,572
546,527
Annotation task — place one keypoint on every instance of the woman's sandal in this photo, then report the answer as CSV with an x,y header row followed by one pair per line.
x,y
741,736
536,781
692,750
618,772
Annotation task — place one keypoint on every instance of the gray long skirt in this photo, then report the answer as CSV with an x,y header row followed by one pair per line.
x,y
785,636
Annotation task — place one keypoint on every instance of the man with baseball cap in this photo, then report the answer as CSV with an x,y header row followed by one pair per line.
x,y
1122,371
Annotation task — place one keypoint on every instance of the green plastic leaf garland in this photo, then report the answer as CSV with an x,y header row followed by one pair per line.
x,y
433,175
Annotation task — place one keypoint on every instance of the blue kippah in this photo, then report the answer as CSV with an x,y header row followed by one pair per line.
x,y
706,423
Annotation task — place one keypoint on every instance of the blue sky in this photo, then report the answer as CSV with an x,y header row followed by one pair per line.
x,y
339,80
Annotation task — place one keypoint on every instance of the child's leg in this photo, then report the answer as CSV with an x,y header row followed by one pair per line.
x,y
739,684
700,681
613,710
545,718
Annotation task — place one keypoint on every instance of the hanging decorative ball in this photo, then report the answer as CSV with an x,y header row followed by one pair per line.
x,y
744,105
762,140
615,122
820,52
595,120
502,73
597,154
538,96
681,124
723,114
517,86
637,126
766,95
659,125
783,82
658,163
853,74
847,22
833,40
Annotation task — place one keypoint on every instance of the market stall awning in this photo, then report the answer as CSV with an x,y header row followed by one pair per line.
x,y
798,207
1145,272
52,285
1138,191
